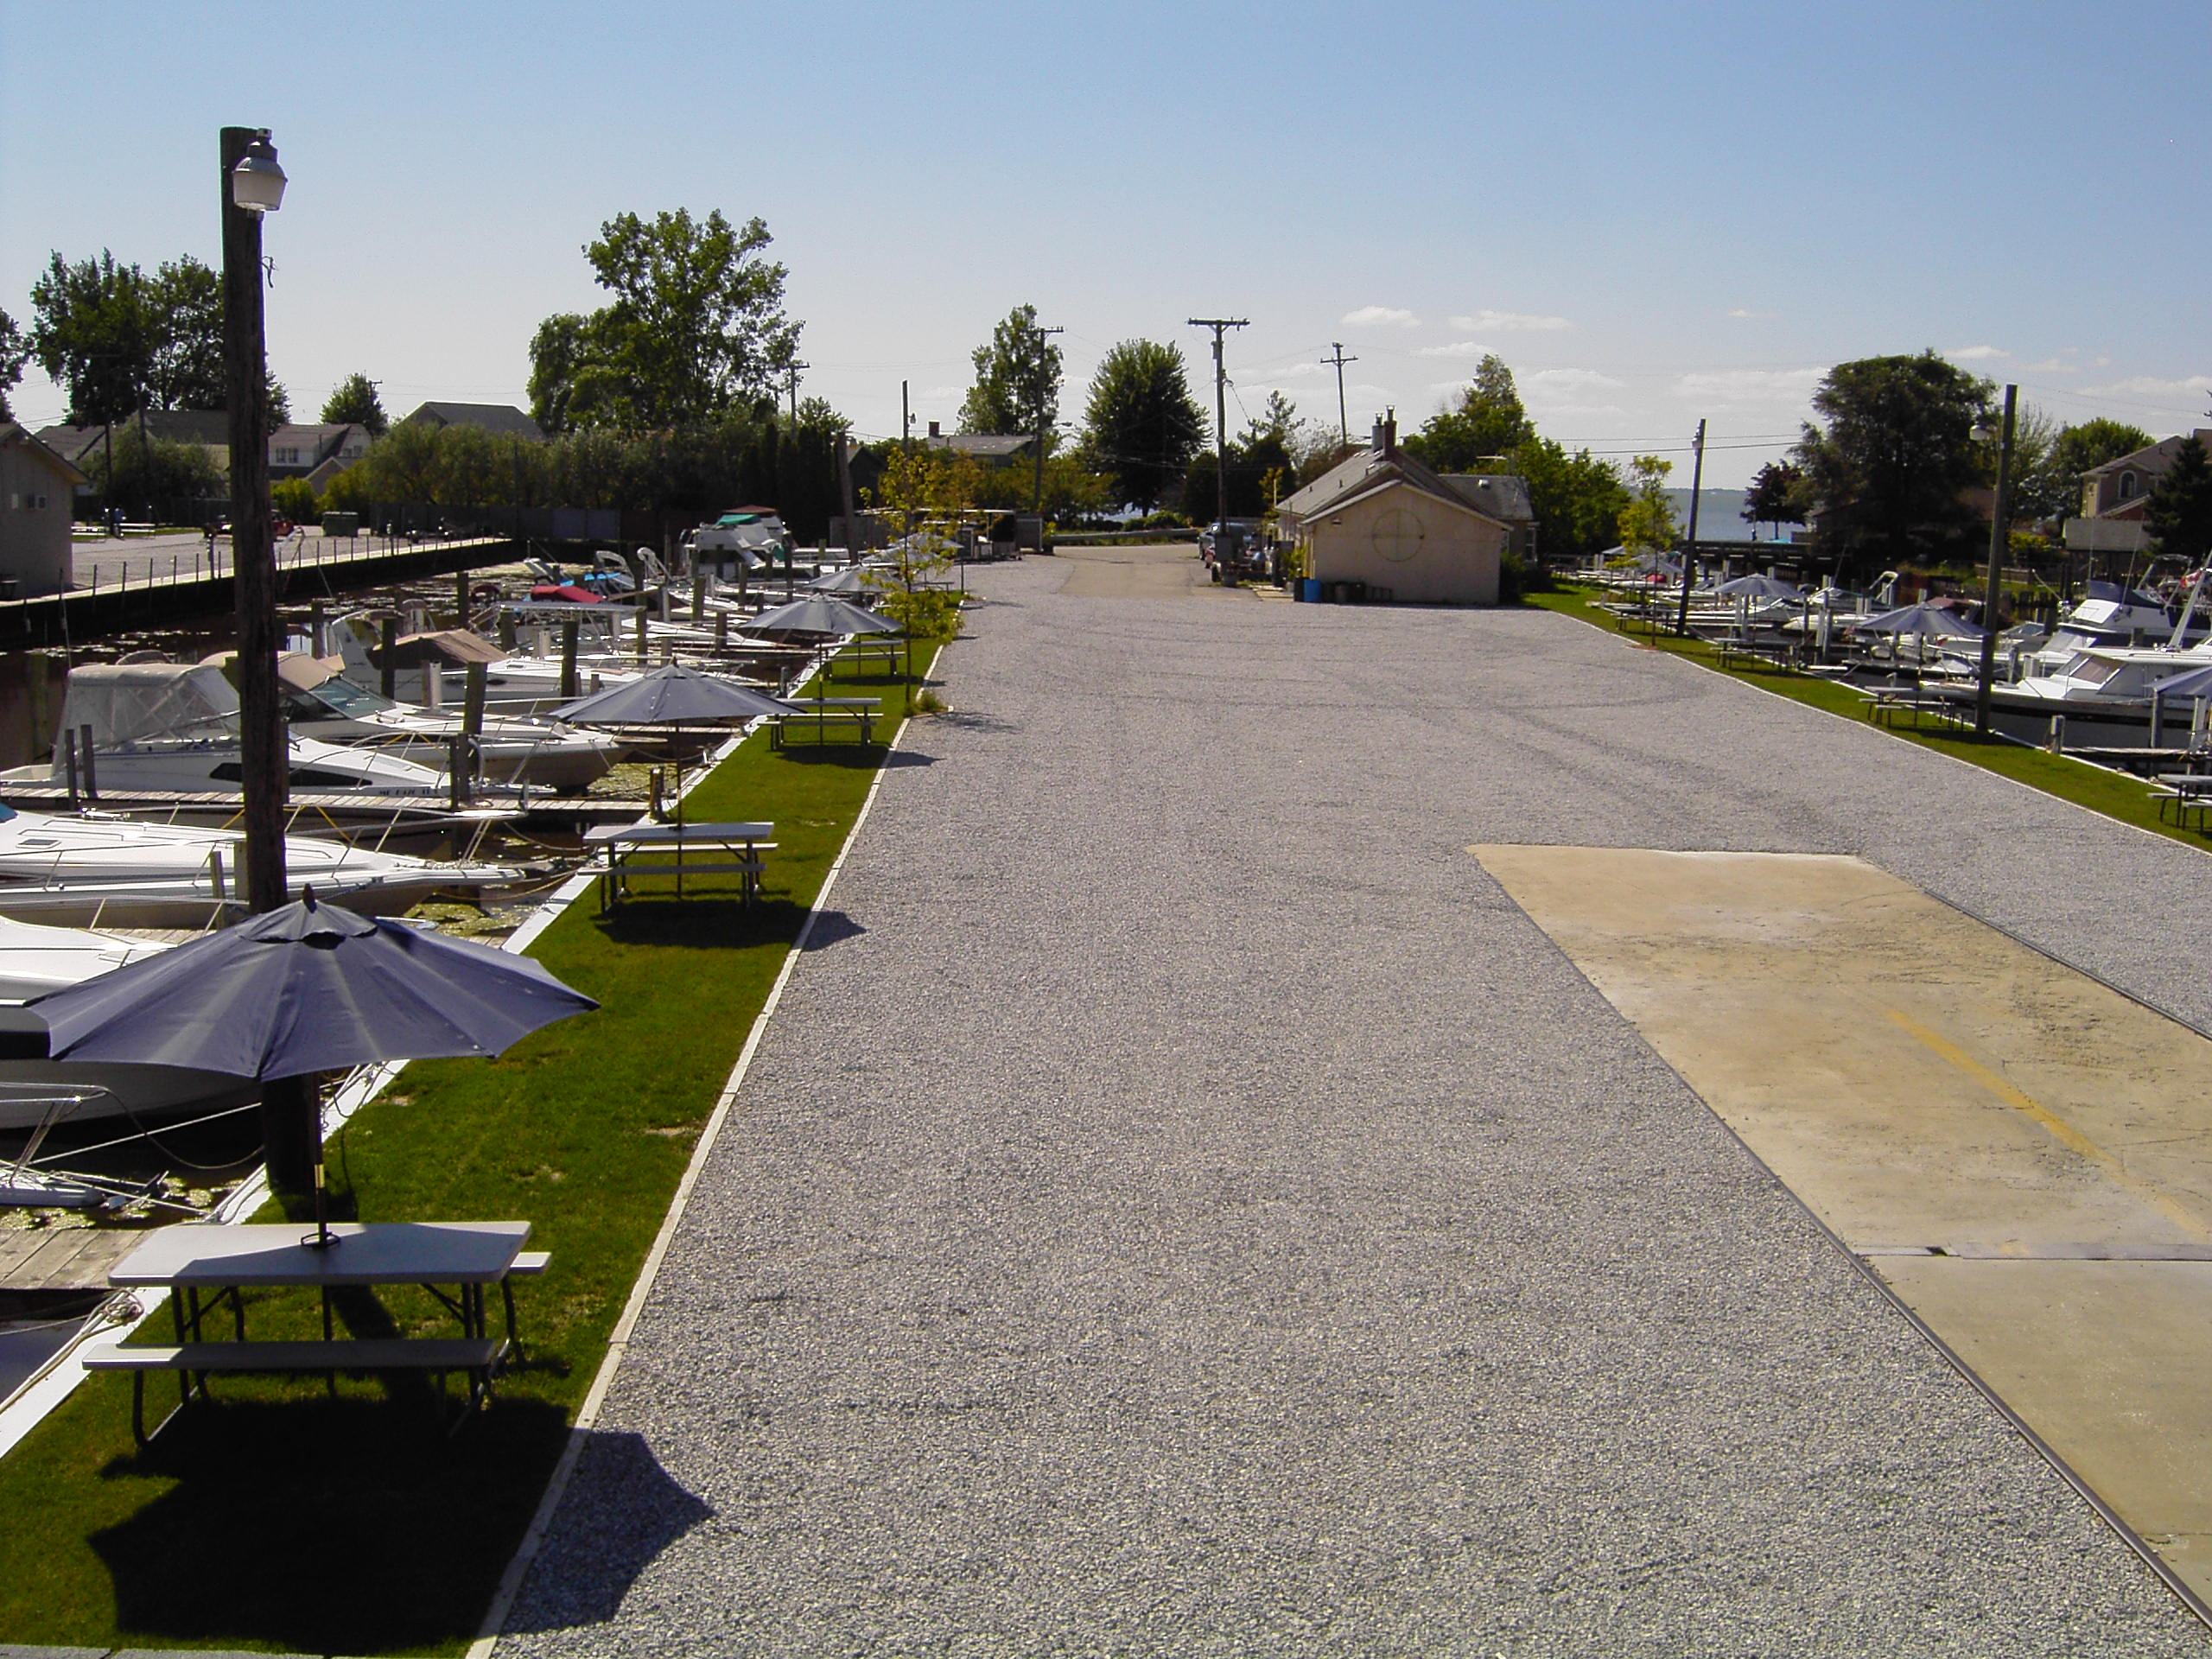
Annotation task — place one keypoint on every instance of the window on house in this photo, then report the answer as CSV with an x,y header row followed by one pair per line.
x,y
2126,486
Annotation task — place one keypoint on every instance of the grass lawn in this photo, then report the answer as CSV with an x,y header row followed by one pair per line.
x,y
2098,788
282,1518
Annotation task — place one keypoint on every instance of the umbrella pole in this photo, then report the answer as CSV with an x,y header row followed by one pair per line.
x,y
324,1238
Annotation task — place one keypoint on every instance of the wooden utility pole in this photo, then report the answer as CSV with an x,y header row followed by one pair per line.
x,y
791,381
1219,324
261,723
1039,503
1344,425
1689,552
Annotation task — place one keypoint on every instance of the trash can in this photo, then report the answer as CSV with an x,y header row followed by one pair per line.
x,y
1309,589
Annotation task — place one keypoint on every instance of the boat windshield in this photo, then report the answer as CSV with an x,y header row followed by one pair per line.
x,y
346,698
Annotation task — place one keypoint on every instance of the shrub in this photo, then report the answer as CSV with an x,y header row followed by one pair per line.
x,y
293,498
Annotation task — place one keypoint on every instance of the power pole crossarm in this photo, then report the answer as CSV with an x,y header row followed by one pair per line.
x,y
1344,425
1220,326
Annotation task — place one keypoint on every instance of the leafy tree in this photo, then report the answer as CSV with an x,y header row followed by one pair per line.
x,y
2079,449
15,351
187,371
293,499
2179,513
696,328
356,404
120,341
1780,494
94,333
1488,420
1017,379
1577,498
1141,425
1647,524
146,473
1896,455
2052,487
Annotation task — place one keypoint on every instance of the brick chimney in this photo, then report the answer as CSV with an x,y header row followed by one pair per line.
x,y
1386,434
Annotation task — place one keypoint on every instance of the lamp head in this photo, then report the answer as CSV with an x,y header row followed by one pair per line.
x,y
1985,429
256,183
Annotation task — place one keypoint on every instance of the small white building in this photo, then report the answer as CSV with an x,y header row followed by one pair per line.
x,y
36,494
1383,519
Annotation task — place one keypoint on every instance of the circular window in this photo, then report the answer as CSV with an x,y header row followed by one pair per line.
x,y
1397,535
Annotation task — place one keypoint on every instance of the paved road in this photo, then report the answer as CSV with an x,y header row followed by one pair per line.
x,y
1183,1206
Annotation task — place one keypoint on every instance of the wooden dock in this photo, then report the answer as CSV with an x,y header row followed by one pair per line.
x,y
62,1258
309,813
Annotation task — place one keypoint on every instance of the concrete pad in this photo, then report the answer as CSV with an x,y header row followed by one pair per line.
x,y
2020,1152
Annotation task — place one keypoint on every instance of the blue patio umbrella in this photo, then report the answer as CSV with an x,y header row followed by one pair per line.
x,y
823,613
304,989
1760,586
671,694
1923,621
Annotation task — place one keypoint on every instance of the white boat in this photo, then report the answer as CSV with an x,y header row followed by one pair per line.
x,y
90,867
322,704
175,727
35,960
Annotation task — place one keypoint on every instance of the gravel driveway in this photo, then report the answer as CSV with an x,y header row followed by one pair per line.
x,y
1185,1208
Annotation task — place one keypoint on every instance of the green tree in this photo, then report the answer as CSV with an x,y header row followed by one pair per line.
x,y
356,404
187,371
2179,513
1780,494
1140,424
147,473
696,328
1896,456
1578,498
2078,450
1647,524
1017,379
1488,420
94,332
15,351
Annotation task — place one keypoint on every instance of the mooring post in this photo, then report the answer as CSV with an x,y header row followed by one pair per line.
x,y
568,658
388,675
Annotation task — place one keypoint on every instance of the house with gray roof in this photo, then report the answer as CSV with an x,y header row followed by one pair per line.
x,y
501,419
984,446
37,488
2114,495
1406,534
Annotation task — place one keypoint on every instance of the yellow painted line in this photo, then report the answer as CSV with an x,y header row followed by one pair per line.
x,y
2053,1125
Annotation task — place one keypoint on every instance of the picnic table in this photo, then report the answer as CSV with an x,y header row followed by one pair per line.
x,y
628,847
202,1267
819,716
2185,792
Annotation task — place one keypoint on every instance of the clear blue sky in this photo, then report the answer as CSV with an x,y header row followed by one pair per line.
x,y
1652,213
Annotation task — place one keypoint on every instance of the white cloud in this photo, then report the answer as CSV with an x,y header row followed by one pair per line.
x,y
1553,382
2190,391
1381,316
1490,322
1734,389
1975,353
1743,315
2050,365
1457,348
1299,371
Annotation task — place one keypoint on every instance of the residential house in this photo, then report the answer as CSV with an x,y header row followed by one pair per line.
x,y
2114,495
1382,519
36,488
501,419
316,452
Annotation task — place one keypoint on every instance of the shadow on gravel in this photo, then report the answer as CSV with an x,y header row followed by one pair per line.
x,y
968,721
620,1511
832,927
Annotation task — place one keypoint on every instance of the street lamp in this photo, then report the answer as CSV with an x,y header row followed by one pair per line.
x,y
2000,535
253,184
